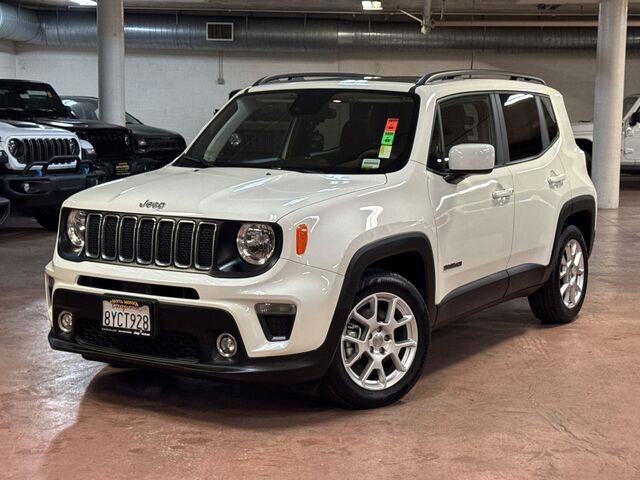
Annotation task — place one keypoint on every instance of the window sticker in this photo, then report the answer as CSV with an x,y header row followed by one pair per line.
x,y
385,151
386,143
370,164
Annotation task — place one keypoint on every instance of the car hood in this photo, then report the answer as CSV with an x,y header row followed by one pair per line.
x,y
246,194
149,131
75,124
18,127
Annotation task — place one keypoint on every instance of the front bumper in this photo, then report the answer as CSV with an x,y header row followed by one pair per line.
x,y
48,190
224,305
118,167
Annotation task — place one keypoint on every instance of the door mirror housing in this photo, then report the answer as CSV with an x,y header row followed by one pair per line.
x,y
470,158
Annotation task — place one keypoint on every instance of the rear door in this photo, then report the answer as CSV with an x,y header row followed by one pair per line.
x,y
539,177
474,214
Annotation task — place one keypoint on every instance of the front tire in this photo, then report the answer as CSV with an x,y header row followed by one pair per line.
x,y
383,345
561,297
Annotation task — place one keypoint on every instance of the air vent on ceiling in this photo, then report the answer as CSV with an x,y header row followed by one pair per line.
x,y
220,31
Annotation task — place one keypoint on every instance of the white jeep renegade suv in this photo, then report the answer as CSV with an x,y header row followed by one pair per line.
x,y
322,225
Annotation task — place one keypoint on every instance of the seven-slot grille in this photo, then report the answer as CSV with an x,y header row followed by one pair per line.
x,y
163,242
107,142
43,149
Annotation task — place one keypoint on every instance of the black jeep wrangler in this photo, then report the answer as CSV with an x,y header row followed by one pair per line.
x,y
111,146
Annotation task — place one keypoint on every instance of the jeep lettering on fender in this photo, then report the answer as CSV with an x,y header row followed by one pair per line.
x,y
322,225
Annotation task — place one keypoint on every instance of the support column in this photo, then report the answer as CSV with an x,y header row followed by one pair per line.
x,y
607,120
111,61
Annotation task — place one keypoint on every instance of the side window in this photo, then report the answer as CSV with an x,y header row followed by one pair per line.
x,y
522,122
549,118
436,160
467,119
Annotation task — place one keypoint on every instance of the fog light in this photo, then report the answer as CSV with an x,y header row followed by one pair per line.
x,y
65,322
227,345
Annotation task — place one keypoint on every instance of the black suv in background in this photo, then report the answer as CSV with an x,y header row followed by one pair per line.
x,y
39,103
151,144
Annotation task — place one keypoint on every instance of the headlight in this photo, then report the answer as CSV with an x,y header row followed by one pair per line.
x,y
76,224
142,142
16,148
256,243
74,148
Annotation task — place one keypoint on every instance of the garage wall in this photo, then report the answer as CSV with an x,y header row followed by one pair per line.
x,y
7,59
179,90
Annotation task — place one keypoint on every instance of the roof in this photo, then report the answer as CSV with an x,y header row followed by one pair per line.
x,y
19,81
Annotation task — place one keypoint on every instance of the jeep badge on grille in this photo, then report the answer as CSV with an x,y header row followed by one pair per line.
x,y
153,205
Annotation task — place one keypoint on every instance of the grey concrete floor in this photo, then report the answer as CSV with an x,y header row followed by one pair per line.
x,y
502,397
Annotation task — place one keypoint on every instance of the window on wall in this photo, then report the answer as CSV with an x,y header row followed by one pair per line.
x,y
549,118
522,122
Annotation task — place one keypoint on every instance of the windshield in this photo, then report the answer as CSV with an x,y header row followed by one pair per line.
x,y
87,109
30,99
331,131
628,104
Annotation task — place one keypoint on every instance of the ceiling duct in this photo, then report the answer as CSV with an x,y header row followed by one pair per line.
x,y
189,32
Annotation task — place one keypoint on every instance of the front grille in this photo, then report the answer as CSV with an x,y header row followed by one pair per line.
x,y
44,149
159,143
163,242
107,142
166,344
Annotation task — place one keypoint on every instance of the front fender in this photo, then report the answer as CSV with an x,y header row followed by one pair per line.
x,y
341,226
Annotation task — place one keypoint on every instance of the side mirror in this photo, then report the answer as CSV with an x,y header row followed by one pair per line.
x,y
634,119
469,158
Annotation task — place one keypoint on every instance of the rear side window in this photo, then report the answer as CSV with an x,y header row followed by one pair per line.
x,y
549,118
522,122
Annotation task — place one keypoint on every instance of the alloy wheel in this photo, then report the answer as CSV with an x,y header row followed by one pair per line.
x,y
572,274
379,341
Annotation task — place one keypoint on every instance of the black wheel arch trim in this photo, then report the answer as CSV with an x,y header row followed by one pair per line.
x,y
581,203
363,259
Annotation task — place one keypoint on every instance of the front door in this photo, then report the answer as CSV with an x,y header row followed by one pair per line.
x,y
474,216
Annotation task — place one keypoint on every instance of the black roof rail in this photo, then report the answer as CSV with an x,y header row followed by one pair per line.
x,y
453,74
301,76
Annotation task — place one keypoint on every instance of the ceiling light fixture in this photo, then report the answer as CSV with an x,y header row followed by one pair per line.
x,y
371,5
84,3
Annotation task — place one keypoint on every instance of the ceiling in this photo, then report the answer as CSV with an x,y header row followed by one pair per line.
x,y
452,8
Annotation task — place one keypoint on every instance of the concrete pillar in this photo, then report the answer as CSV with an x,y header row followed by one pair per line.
x,y
607,119
111,61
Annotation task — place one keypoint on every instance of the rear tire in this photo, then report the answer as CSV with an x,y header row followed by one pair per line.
x,y
47,217
383,346
560,299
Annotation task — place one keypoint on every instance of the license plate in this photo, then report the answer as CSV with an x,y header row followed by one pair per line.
x,y
127,316
122,168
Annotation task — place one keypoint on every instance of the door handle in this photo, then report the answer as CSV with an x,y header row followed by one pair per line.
x,y
502,194
556,181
